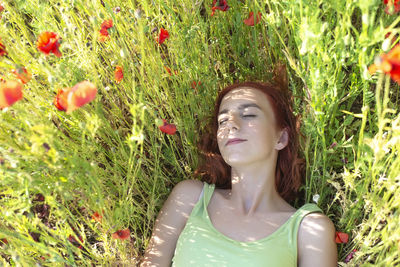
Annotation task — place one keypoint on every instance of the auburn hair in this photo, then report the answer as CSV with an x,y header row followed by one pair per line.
x,y
290,167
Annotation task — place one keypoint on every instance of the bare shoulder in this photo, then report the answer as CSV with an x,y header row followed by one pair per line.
x,y
170,222
185,195
317,222
189,185
316,241
188,190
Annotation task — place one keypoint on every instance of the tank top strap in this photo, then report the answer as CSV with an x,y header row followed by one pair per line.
x,y
299,216
208,191
204,198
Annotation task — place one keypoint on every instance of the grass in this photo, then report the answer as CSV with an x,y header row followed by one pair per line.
x,y
109,156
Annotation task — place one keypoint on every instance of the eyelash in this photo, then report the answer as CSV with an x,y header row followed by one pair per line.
x,y
244,116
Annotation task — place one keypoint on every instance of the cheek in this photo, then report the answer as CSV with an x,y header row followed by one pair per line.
x,y
220,137
221,133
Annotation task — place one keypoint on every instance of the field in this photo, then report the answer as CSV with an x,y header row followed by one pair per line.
x,y
91,91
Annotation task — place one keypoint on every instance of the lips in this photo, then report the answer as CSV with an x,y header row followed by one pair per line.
x,y
234,141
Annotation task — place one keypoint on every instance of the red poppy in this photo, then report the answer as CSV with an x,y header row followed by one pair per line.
x,y
162,36
389,63
81,94
69,99
341,237
74,242
195,84
169,71
2,49
48,42
60,101
97,216
1,9
10,92
250,21
222,5
104,35
121,234
22,74
167,128
392,6
119,74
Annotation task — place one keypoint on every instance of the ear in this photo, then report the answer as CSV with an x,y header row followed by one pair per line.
x,y
283,140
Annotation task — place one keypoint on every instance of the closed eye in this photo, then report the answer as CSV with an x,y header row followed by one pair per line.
x,y
244,116
222,121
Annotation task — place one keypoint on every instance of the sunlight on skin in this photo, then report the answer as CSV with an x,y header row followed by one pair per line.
x,y
268,224
313,229
166,230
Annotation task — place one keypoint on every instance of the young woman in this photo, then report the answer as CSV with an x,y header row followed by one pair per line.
x,y
240,215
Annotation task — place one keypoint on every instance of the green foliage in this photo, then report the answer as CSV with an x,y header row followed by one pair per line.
x,y
58,169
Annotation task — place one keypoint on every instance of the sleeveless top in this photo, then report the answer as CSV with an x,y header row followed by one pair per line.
x,y
201,244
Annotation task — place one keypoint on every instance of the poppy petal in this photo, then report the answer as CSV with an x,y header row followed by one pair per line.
x,y
60,100
22,74
107,24
389,63
121,234
222,6
167,128
81,94
97,216
10,92
341,237
48,42
163,35
118,74
250,20
2,49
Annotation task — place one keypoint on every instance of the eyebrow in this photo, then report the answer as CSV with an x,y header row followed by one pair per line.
x,y
241,107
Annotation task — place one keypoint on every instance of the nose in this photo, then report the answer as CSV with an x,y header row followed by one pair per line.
x,y
233,123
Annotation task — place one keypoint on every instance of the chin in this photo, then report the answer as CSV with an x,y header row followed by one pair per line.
x,y
236,161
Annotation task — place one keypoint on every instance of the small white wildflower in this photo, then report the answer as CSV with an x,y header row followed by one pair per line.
x,y
315,198
138,13
386,44
382,178
107,88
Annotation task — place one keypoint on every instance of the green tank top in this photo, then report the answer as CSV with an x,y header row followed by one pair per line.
x,y
201,244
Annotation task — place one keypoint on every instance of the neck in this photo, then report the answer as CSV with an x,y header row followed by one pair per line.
x,y
253,189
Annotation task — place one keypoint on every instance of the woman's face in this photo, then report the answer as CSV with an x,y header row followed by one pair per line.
x,y
247,131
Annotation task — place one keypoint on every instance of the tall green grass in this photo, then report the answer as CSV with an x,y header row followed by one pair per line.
x,y
109,156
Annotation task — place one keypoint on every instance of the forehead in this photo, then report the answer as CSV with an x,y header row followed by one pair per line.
x,y
244,95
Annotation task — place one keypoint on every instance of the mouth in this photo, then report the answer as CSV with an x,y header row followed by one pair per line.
x,y
234,141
